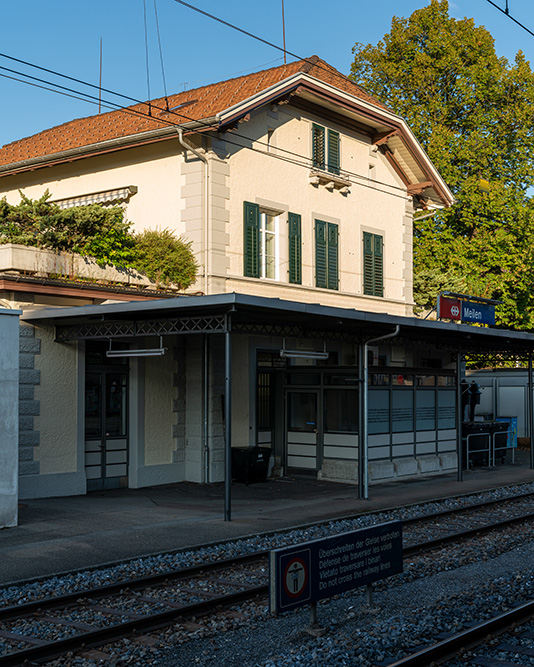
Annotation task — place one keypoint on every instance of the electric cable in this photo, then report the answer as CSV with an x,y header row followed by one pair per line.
x,y
507,13
113,106
161,56
131,111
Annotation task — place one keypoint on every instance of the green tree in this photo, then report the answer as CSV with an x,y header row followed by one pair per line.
x,y
473,112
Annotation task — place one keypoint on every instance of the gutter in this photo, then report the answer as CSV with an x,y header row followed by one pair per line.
x,y
108,145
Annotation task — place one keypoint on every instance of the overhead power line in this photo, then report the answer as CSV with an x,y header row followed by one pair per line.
x,y
506,12
290,156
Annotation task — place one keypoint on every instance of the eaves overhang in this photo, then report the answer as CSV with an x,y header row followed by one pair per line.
x,y
377,117
107,146
252,314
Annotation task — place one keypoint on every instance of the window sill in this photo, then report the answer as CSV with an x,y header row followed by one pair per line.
x,y
329,181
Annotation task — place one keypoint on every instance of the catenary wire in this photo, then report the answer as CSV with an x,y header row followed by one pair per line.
x,y
181,115
507,13
300,161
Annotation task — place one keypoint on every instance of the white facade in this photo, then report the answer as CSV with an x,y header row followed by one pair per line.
x,y
336,232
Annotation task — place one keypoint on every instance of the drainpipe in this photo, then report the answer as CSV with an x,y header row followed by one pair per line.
x,y
206,230
364,492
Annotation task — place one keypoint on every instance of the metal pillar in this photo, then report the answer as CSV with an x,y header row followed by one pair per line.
x,y
361,411
459,416
228,423
530,410
205,409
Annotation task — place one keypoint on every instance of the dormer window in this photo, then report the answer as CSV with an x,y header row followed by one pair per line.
x,y
325,149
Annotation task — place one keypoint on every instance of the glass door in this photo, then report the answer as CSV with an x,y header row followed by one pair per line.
x,y
106,437
302,429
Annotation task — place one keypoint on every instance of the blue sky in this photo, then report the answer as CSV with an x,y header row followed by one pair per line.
x,y
63,35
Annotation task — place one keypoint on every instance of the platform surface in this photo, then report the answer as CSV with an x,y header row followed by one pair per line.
x,y
57,535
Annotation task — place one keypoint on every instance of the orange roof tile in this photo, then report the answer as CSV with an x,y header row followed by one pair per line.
x,y
192,105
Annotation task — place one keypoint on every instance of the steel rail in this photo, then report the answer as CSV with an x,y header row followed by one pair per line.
x,y
448,648
114,632
28,608
152,621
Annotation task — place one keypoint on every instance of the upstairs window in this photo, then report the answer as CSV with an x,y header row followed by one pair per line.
x,y
373,264
326,254
325,149
261,242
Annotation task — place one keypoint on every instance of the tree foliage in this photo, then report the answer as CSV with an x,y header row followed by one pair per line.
x,y
473,112
164,258
99,232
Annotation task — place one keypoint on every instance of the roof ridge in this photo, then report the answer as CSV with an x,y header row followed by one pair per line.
x,y
203,102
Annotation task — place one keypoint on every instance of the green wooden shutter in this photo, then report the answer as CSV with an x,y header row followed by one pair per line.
x,y
295,249
332,273
251,239
368,283
333,152
373,264
318,149
379,266
320,254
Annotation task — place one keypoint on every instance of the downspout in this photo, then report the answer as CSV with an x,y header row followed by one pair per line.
x,y
364,429
206,230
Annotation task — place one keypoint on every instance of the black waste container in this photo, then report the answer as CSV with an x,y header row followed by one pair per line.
x,y
479,443
251,464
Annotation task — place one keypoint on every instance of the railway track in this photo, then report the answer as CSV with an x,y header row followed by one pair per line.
x,y
479,645
48,628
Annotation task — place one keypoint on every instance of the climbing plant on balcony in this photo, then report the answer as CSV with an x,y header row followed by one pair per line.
x,y
99,232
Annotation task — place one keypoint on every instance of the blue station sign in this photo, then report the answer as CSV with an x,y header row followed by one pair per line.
x,y
481,313
312,571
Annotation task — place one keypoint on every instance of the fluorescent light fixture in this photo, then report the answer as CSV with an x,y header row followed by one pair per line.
x,y
303,354
151,352
148,352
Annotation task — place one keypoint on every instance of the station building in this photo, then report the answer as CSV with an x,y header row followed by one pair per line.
x,y
297,190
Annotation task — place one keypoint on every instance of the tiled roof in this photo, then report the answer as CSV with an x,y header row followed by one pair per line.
x,y
191,105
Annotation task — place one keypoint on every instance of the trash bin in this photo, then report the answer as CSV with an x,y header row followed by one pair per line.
x,y
250,465
478,436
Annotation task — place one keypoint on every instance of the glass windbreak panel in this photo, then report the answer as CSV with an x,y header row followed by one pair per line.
x,y
401,411
93,405
425,410
302,412
447,408
340,411
378,411
379,379
116,391
264,400
446,381
303,378
402,380
426,380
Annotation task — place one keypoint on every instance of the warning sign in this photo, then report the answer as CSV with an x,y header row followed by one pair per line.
x,y
320,569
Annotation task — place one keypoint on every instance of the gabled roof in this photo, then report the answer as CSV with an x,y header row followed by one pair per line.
x,y
199,104
312,84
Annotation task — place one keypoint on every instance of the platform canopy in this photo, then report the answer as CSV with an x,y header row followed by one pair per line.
x,y
245,314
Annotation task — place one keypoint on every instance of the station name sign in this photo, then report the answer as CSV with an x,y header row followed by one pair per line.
x,y
311,571
466,311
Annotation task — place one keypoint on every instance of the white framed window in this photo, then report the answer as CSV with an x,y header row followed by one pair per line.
x,y
269,245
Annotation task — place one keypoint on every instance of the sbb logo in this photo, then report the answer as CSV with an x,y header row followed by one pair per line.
x,y
455,311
